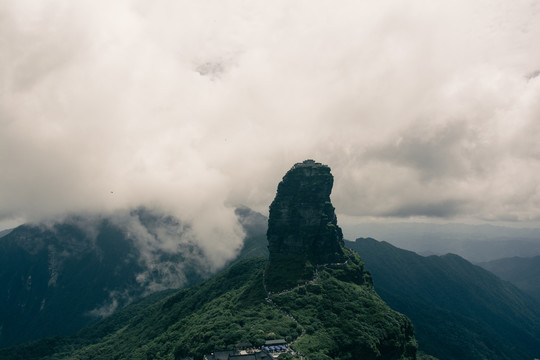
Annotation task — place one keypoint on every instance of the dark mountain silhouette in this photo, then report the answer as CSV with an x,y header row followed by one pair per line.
x,y
476,243
459,310
302,226
5,232
57,279
302,221
521,271
254,225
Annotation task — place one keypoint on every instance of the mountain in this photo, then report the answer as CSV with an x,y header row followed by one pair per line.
x,y
5,232
254,225
302,226
459,310
476,243
302,221
520,271
324,310
339,318
58,278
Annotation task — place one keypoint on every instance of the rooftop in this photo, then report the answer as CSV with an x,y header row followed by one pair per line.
x,y
275,342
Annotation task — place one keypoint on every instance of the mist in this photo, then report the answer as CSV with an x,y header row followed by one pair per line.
x,y
422,110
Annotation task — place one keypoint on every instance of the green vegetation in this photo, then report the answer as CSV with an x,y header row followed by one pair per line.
x,y
288,272
423,356
57,280
460,311
342,315
34,304
345,319
223,311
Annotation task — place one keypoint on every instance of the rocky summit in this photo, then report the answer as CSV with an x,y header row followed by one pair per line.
x,y
302,220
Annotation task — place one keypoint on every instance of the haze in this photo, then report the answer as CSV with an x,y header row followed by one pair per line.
x,y
423,110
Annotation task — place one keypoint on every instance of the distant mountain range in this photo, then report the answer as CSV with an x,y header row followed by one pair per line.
x,y
476,243
459,310
520,271
58,278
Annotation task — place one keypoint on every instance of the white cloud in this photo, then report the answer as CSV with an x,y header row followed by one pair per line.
x,y
420,109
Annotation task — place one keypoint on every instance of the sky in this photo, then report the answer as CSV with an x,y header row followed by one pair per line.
x,y
424,110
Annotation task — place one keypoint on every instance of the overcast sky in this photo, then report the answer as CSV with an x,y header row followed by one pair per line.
x,y
424,110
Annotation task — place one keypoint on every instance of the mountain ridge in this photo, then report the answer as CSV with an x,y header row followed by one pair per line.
x,y
523,272
233,307
491,318
61,277
476,243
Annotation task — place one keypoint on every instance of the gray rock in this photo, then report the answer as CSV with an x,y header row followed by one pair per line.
x,y
302,219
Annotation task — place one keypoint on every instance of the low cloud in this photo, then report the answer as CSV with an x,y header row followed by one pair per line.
x,y
109,306
156,251
441,209
169,249
419,109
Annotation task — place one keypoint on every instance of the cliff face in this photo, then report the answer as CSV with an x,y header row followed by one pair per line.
x,y
302,219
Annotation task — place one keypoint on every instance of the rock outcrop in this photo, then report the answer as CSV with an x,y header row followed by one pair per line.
x,y
302,221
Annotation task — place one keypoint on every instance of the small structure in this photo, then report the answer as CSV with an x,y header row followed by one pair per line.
x,y
259,355
238,355
307,163
219,355
243,346
246,351
280,342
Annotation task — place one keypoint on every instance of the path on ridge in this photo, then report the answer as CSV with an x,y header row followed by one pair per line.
x,y
311,282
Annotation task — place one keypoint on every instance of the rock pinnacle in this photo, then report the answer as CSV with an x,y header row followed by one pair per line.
x,y
302,221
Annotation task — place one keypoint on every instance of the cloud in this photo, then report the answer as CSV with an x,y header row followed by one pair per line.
x,y
449,150
439,208
169,248
160,251
111,305
195,106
